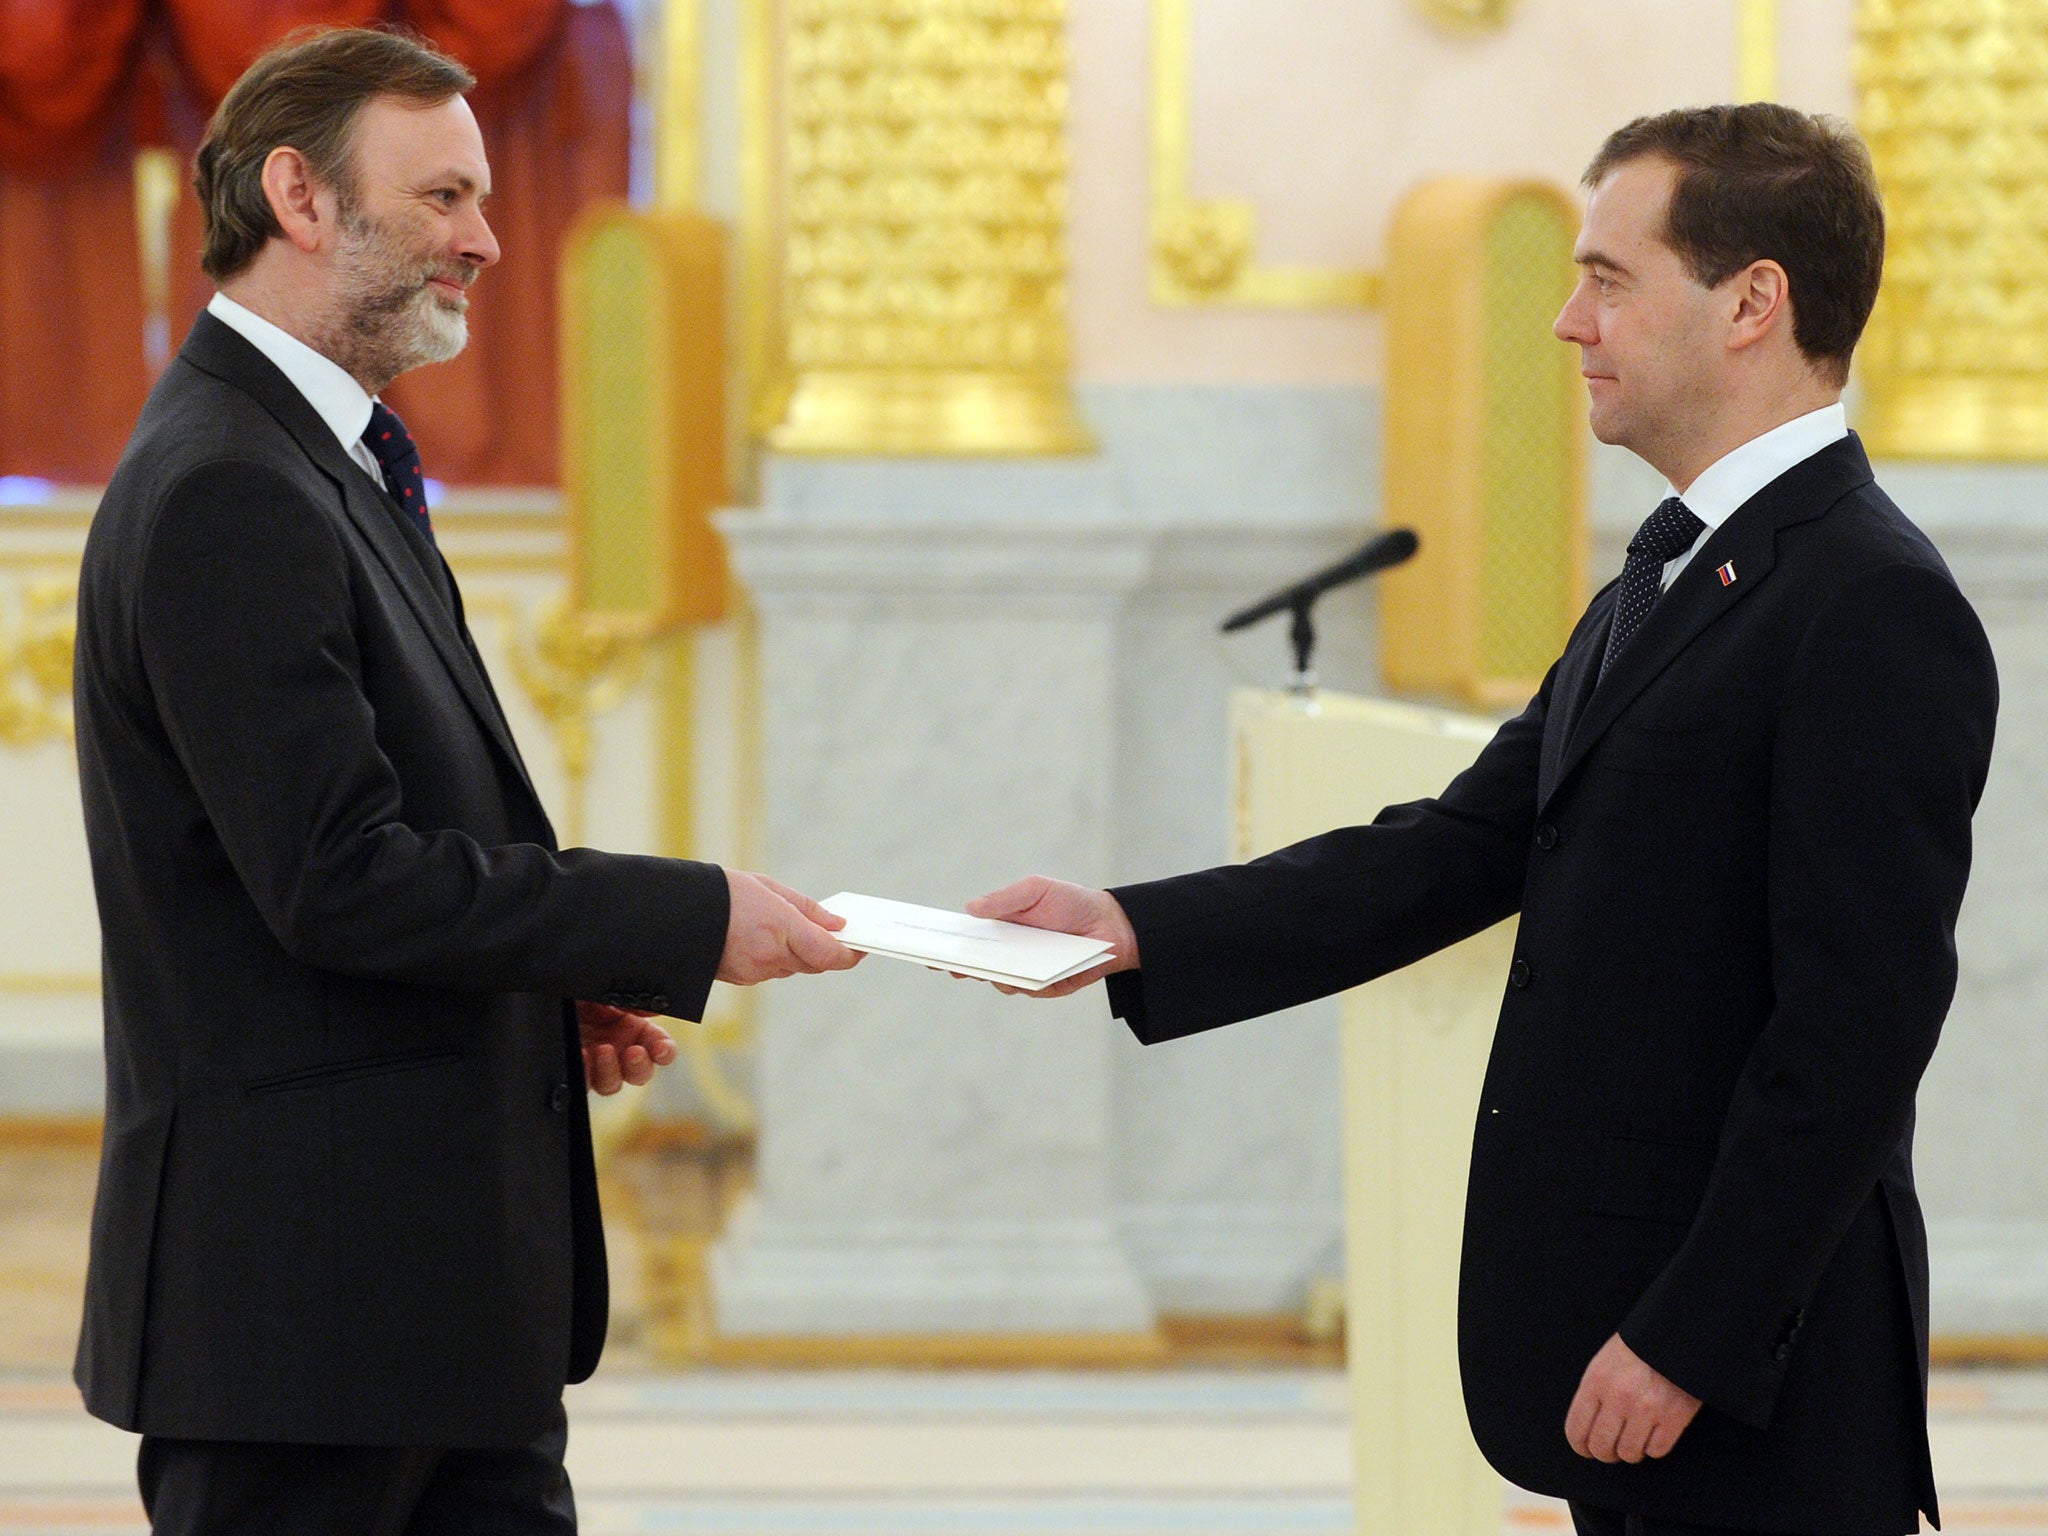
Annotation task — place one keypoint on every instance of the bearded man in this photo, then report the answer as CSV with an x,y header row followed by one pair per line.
x,y
346,1248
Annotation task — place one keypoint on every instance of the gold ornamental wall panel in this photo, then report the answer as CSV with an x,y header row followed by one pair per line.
x,y
924,299
643,415
1485,440
1954,105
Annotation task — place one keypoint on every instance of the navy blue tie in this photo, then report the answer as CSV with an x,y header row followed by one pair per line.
x,y
1666,534
399,457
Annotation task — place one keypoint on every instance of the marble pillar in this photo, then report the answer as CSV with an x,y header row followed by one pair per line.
x,y
937,686
972,672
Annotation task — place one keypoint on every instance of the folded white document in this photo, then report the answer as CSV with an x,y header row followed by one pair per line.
x,y
1011,953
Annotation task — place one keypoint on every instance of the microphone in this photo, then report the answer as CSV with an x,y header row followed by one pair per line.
x,y
1389,549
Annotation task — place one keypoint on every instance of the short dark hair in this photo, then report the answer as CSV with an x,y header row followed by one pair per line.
x,y
1767,182
305,93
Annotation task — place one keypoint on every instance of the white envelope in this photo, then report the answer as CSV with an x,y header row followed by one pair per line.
x,y
1011,953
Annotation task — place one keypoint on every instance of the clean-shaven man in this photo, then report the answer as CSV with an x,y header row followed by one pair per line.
x,y
1736,824
346,1248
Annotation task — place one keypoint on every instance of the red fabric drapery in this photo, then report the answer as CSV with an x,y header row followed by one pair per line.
x,y
62,63
497,39
553,99
218,39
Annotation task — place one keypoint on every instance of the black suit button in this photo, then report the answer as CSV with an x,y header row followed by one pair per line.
x,y
1546,836
558,1101
1518,974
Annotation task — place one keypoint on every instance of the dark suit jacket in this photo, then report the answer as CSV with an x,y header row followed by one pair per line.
x,y
1738,862
346,1194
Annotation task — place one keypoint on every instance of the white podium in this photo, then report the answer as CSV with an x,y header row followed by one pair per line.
x,y
1415,1046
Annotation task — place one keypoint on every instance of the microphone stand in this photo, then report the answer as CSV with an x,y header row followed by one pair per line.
x,y
1301,632
1299,600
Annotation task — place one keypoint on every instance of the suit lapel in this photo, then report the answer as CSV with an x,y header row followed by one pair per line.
x,y
372,513
219,350
1700,597
1577,672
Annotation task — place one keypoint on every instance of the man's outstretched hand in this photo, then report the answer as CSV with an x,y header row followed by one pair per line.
x,y
774,931
620,1047
1625,1410
1038,902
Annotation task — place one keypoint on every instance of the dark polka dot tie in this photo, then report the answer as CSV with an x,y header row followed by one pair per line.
x,y
1666,534
399,457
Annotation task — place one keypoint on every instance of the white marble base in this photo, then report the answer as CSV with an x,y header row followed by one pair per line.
x,y
1240,1259
881,1275
974,672
51,1057
1990,1277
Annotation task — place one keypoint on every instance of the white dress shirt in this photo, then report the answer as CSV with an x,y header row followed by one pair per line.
x,y
1740,473
328,387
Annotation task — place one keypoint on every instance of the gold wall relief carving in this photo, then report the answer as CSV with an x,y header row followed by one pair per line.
x,y
1756,50
1955,363
1205,252
1467,15
571,667
676,81
38,620
924,281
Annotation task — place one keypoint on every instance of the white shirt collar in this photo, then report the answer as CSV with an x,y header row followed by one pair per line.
x,y
1740,473
328,387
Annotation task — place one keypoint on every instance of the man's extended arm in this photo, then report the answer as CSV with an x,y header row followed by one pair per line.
x,y
244,623
1318,917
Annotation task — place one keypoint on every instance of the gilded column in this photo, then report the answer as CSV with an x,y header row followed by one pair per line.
x,y
1955,109
925,285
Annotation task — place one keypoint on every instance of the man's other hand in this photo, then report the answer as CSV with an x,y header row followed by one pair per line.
x,y
1038,902
1624,1410
621,1047
774,931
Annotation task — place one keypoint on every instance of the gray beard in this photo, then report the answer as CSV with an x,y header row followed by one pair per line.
x,y
383,325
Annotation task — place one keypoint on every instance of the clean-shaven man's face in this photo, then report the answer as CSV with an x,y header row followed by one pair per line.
x,y
1651,339
413,238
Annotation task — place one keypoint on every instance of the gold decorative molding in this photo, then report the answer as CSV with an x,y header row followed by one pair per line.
x,y
51,983
572,667
159,176
924,280
1955,362
763,377
38,621
1756,50
678,90
936,1351
1467,15
1206,252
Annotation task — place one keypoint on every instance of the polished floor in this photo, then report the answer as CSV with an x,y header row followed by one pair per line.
x,y
1185,1452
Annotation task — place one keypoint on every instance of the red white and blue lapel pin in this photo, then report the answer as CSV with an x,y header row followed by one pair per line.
x,y
1727,574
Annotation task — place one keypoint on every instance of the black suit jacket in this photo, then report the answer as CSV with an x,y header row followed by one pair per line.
x,y
346,1194
1738,862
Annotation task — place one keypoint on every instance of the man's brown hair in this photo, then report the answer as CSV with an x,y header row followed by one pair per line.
x,y
1766,182
304,94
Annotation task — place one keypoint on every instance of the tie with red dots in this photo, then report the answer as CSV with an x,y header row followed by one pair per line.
x,y
1666,534
399,457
